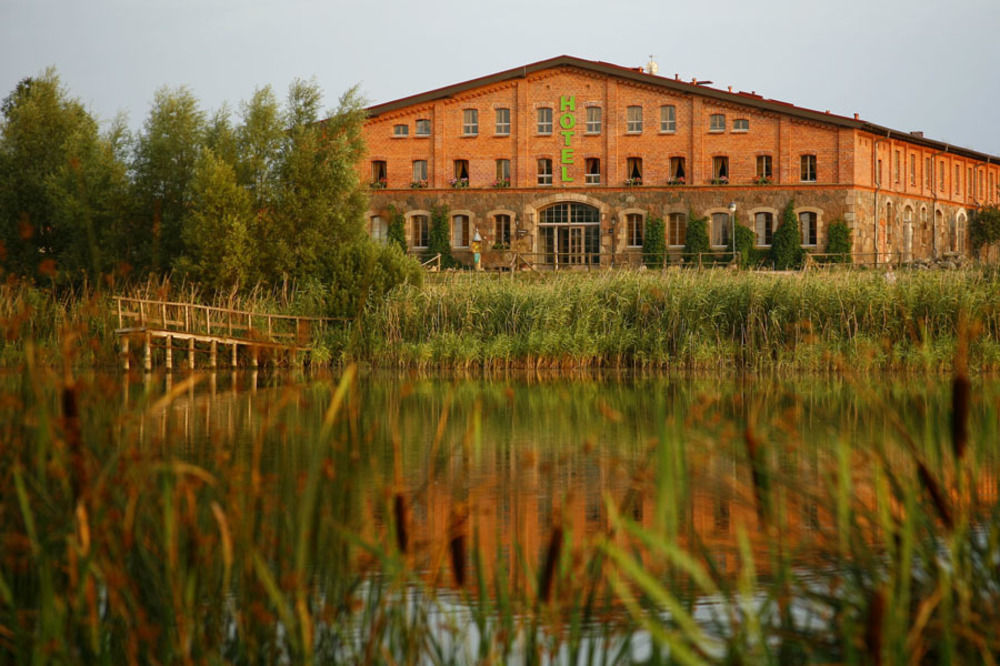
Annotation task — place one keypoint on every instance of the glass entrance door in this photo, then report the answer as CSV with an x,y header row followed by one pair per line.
x,y
570,235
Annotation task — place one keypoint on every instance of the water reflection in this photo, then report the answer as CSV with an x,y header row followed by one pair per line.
x,y
499,463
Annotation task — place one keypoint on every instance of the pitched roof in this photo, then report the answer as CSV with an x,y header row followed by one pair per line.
x,y
675,85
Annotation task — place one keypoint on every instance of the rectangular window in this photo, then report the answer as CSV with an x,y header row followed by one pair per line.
x,y
958,179
895,167
633,120
503,173
401,130
764,169
460,231
913,170
593,175
544,171
501,230
461,171
968,179
927,172
593,120
378,229
941,184
668,118
634,226
720,170
720,229
545,120
741,125
379,174
808,168
764,228
677,229
470,122
421,231
633,171
807,222
503,122
419,172
677,174
423,127
982,184
717,122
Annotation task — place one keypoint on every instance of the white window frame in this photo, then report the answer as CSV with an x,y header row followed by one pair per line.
x,y
741,124
470,122
670,228
543,116
717,122
502,122
818,215
544,177
760,239
378,228
420,173
634,221
401,130
590,178
725,229
594,124
420,124
633,119
808,166
668,119
461,229
411,221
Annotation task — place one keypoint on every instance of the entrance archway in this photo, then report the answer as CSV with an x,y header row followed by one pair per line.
x,y
569,234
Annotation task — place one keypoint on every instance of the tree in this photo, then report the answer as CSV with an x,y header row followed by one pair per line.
x,y
654,242
838,242
166,152
62,184
786,244
218,241
697,237
745,241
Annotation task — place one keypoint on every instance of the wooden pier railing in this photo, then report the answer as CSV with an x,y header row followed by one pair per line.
x,y
209,326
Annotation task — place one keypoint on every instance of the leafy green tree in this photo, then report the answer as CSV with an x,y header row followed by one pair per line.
x,y
786,245
838,242
654,242
745,242
440,236
62,184
984,226
397,228
697,237
260,144
218,240
166,152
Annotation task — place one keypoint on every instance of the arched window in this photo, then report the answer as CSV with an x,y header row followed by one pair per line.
x,y
460,231
720,229
763,223
808,225
378,229
420,230
677,229
635,227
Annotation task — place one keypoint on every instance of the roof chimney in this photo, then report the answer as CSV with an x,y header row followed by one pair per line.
x,y
918,134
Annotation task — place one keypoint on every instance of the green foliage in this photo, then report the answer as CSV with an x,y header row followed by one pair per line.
x,y
838,242
166,152
746,240
786,245
396,234
363,273
440,236
654,242
218,237
62,185
697,237
984,226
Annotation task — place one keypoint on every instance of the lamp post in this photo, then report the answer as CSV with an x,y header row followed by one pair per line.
x,y
732,228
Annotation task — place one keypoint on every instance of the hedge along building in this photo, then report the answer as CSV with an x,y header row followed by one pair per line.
x,y
567,159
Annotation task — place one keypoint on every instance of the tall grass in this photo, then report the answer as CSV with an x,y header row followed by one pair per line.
x,y
686,319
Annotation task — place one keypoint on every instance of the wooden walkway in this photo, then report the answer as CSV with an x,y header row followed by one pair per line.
x,y
202,329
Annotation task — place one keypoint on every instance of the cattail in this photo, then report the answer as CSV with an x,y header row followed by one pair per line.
x,y
549,569
71,428
399,511
873,628
960,390
457,549
937,497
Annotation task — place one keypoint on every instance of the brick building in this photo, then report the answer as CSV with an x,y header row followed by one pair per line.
x,y
564,161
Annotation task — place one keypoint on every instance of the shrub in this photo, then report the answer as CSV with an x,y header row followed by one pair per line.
x,y
984,226
697,237
397,228
654,243
838,242
786,246
745,242
440,241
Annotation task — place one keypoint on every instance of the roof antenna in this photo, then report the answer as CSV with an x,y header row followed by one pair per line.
x,y
651,66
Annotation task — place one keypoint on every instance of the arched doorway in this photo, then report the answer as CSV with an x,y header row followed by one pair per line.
x,y
569,234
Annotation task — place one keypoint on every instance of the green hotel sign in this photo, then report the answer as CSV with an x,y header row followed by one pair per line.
x,y
567,121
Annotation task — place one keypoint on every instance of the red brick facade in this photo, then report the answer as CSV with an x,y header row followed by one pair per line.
x,y
902,195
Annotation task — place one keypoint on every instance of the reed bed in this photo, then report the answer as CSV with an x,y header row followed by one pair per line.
x,y
684,319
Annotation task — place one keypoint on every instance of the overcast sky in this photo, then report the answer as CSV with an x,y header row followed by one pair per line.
x,y
931,65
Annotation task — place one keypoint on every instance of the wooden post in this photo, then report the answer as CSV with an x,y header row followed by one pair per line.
x,y
254,357
169,358
124,340
235,345
212,356
120,320
190,353
147,354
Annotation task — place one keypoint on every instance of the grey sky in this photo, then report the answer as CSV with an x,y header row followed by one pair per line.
x,y
908,64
